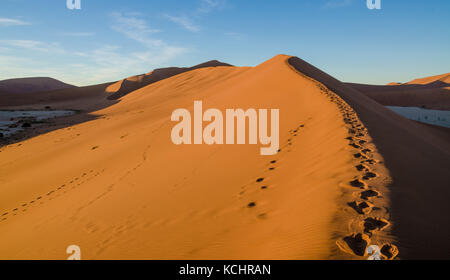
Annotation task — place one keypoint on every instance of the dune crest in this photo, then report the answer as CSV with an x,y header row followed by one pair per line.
x,y
125,86
337,186
129,192
417,159
445,78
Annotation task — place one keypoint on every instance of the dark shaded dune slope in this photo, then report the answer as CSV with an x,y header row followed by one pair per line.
x,y
418,159
434,95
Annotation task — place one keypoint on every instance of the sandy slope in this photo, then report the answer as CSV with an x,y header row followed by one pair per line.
x,y
418,160
117,186
130,84
349,174
430,92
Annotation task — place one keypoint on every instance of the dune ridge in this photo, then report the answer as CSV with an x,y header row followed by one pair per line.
x,y
417,158
445,78
337,185
430,92
125,86
130,193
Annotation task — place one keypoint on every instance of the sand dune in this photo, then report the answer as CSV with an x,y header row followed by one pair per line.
x,y
431,93
93,97
444,78
125,86
31,85
417,158
349,174
128,192
29,90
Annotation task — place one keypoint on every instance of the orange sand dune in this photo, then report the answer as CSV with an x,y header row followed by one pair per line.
x,y
431,92
93,97
125,86
444,78
349,174
117,186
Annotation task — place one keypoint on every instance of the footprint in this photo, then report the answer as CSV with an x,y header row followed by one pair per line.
x,y
389,251
259,180
357,184
369,175
366,195
355,244
375,224
359,155
361,167
262,216
370,161
251,205
264,187
362,208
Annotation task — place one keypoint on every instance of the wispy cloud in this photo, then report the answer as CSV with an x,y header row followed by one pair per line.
x,y
338,3
187,20
136,29
34,45
101,63
12,22
78,34
207,6
184,22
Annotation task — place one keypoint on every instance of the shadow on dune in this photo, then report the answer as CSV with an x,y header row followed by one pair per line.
x,y
418,159
434,95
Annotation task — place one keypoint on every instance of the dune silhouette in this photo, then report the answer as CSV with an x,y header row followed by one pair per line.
x,y
31,85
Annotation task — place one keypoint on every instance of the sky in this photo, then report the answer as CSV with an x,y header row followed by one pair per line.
x,y
109,40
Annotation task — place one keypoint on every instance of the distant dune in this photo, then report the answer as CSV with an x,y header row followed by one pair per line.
x,y
349,174
31,85
125,86
431,93
444,78
93,97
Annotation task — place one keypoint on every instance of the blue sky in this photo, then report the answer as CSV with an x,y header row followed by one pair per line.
x,y
109,40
